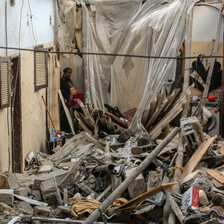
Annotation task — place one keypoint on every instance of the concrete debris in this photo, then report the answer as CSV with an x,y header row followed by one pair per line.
x,y
111,174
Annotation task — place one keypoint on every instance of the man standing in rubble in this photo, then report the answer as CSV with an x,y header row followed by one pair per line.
x,y
65,84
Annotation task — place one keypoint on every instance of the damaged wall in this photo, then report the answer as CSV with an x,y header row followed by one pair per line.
x,y
35,27
204,29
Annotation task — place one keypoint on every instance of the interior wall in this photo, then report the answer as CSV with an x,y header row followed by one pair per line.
x,y
204,29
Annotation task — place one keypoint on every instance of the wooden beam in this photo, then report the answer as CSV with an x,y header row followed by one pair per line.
x,y
196,157
144,196
66,112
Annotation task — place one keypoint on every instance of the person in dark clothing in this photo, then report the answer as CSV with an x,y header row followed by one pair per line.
x,y
65,84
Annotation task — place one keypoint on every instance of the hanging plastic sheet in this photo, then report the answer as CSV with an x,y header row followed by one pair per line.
x,y
67,23
153,28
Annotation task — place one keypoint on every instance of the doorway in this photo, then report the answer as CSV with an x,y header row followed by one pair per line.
x,y
16,115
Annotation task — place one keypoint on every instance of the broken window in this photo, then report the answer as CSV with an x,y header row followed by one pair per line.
x,y
4,82
40,69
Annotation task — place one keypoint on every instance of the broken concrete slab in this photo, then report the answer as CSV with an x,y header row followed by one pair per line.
x,y
50,192
63,211
22,191
58,175
41,211
8,180
6,196
24,205
36,195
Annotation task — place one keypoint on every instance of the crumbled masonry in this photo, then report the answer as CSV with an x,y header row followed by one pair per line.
x,y
73,182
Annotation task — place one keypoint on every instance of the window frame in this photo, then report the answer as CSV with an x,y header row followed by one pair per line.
x,y
45,52
5,59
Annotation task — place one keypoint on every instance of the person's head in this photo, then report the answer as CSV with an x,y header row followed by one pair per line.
x,y
67,72
73,90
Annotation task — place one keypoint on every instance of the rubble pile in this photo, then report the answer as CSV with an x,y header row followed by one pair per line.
x,y
71,183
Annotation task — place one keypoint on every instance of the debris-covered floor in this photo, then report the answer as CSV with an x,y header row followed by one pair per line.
x,y
133,178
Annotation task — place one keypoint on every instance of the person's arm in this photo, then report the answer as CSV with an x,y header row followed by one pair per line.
x,y
71,102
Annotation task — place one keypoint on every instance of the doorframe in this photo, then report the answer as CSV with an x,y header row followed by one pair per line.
x,y
17,152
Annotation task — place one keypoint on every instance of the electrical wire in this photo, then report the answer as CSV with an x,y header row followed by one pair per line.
x,y
107,54
31,18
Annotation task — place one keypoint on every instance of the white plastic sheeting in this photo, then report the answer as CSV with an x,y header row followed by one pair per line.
x,y
155,28
67,21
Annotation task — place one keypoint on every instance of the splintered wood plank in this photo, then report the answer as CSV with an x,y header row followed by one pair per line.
x,y
196,157
66,112
217,184
216,175
144,196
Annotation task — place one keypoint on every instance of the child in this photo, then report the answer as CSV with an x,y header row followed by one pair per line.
x,y
74,100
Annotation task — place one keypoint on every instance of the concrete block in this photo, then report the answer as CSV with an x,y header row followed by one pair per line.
x,y
50,192
45,169
37,195
203,200
24,205
40,211
6,196
58,175
8,180
138,186
63,212
22,191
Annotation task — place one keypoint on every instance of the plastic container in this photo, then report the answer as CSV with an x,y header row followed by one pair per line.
x,y
53,137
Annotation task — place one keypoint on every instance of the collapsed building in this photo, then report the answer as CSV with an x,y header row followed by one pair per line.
x,y
150,148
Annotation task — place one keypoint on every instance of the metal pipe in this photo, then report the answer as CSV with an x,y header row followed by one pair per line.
x,y
124,185
104,168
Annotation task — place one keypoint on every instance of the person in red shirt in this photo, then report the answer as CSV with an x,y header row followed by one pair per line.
x,y
74,100
75,105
